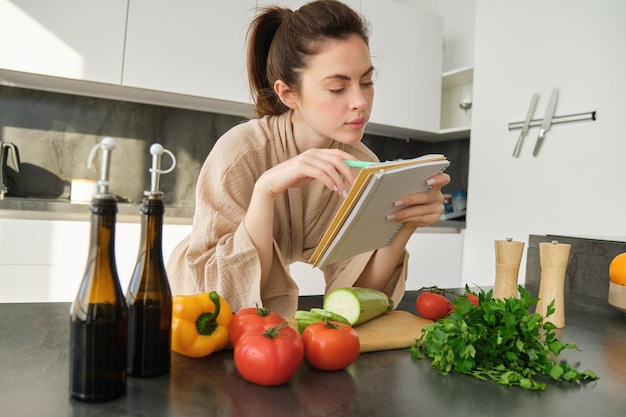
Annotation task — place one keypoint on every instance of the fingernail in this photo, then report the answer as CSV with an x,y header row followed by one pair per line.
x,y
430,181
398,203
345,193
391,216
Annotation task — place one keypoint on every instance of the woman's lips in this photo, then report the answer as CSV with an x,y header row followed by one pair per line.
x,y
357,124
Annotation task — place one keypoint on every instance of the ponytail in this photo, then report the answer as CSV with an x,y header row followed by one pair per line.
x,y
260,35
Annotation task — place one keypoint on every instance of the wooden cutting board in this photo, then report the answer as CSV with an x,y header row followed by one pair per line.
x,y
394,330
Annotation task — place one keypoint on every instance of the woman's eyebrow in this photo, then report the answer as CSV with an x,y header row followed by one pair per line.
x,y
346,78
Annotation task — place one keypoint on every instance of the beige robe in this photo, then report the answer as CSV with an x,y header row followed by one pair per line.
x,y
219,255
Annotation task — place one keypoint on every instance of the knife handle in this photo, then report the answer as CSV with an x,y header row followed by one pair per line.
x,y
518,145
540,137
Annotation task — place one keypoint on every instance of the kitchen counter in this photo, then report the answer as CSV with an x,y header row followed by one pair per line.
x,y
34,345
64,209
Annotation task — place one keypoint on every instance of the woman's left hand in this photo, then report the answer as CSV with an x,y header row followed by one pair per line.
x,y
423,208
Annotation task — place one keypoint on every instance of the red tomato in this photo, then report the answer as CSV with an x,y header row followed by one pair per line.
x,y
451,308
251,318
432,306
472,298
330,346
269,356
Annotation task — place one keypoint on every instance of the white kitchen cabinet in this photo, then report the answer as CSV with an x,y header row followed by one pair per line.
x,y
406,46
74,39
189,47
435,259
44,260
310,280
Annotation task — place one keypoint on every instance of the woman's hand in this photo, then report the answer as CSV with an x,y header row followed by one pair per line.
x,y
423,208
325,165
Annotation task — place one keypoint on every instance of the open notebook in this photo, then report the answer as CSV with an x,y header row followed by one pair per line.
x,y
361,223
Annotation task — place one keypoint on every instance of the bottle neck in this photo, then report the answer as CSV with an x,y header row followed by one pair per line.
x,y
152,211
101,273
103,214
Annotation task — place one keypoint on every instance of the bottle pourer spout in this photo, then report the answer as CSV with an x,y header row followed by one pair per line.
x,y
106,145
155,171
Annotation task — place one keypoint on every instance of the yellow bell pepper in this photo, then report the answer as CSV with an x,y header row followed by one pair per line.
x,y
200,324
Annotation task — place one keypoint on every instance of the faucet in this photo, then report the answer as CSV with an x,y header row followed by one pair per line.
x,y
7,149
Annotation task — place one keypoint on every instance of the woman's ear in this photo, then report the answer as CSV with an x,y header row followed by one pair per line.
x,y
286,95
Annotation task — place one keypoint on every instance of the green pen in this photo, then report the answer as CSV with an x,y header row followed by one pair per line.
x,y
358,164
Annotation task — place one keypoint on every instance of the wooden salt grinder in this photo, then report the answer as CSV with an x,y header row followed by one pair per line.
x,y
553,259
508,258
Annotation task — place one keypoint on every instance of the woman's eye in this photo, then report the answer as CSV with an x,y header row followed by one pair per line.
x,y
336,90
368,84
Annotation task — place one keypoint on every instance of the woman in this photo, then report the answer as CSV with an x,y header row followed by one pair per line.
x,y
270,186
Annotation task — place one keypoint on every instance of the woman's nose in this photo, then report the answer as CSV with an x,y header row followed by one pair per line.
x,y
358,99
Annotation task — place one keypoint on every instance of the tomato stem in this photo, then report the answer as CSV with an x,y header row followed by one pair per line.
x,y
262,311
444,291
330,325
274,331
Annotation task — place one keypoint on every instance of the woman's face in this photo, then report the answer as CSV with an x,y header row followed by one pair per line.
x,y
336,93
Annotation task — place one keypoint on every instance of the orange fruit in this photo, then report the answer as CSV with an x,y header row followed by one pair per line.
x,y
617,269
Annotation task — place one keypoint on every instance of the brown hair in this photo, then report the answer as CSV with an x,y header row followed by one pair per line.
x,y
280,40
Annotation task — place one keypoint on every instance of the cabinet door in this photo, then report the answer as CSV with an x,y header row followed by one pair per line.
x,y
191,47
44,260
434,259
406,47
310,280
76,39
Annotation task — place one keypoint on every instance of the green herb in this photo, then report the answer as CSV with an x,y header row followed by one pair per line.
x,y
499,340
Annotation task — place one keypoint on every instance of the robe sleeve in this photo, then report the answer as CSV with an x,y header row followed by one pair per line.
x,y
219,254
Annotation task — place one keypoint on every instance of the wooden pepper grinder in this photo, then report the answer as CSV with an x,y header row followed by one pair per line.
x,y
508,259
553,258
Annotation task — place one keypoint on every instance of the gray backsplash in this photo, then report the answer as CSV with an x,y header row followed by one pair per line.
x,y
587,271
54,133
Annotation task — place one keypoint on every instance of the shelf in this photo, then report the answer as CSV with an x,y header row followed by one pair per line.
x,y
444,135
457,88
457,77
453,215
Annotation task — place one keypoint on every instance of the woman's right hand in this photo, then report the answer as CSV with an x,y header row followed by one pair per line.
x,y
325,165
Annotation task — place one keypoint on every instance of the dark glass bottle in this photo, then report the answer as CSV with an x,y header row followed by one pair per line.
x,y
98,317
149,298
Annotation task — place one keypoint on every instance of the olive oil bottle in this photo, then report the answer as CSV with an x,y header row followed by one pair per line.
x,y
149,298
98,316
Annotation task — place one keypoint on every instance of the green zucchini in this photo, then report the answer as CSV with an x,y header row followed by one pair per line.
x,y
357,304
329,315
302,324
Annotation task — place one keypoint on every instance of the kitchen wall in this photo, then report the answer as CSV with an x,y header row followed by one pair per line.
x,y
54,133
575,186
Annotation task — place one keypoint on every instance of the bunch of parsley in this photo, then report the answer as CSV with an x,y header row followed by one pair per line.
x,y
499,339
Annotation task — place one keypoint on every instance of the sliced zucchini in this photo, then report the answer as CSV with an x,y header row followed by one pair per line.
x,y
302,324
329,315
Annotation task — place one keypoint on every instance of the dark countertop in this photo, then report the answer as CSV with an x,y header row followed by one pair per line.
x,y
34,346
